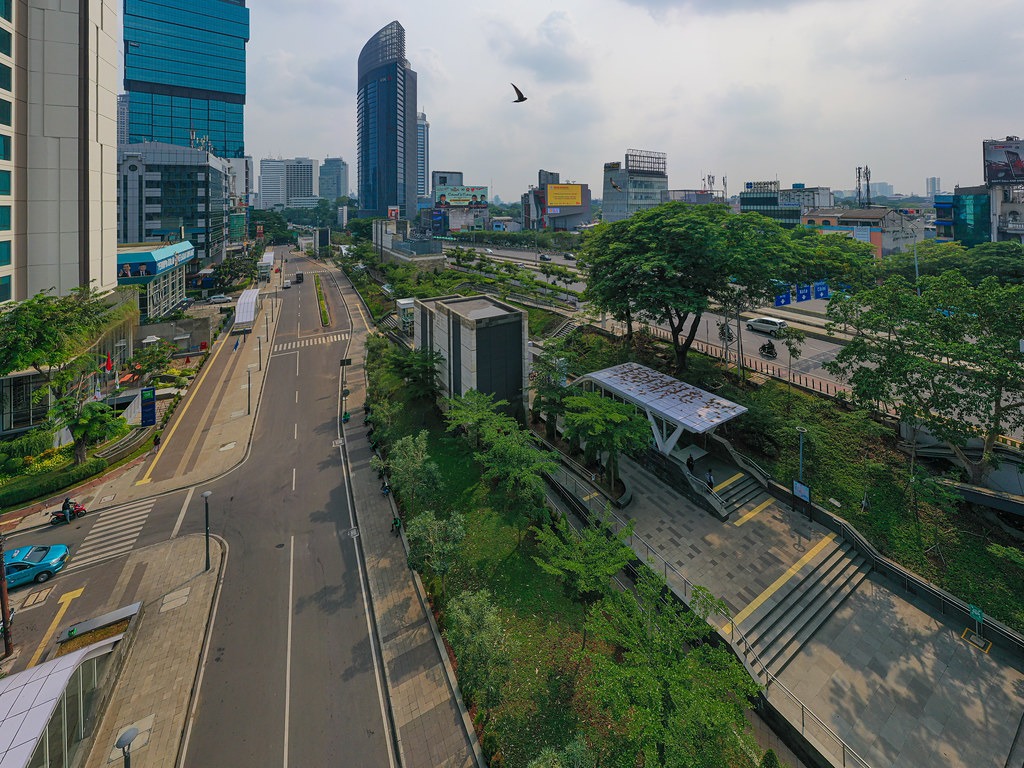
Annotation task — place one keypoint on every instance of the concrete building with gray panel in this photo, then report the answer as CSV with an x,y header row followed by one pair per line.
x,y
483,342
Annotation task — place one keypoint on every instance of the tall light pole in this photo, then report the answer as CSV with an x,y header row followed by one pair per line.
x,y
206,503
5,606
124,743
801,432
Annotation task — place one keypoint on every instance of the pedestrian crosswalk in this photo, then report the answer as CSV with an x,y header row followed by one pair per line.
x,y
113,533
327,339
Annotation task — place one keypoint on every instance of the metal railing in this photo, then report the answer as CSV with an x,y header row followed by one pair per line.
x,y
787,703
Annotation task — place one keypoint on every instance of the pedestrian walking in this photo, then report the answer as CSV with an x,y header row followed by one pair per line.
x,y
689,463
396,525
710,480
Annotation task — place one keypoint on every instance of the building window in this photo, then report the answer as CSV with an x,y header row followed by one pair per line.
x,y
5,182
5,147
5,111
5,288
5,217
5,8
5,253
5,77
5,42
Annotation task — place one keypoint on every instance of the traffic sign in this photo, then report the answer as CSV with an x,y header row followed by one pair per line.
x,y
346,361
976,613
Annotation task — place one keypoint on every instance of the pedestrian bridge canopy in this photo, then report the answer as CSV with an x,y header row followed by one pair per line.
x,y
672,406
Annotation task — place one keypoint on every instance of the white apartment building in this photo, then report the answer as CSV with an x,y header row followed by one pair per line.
x,y
58,146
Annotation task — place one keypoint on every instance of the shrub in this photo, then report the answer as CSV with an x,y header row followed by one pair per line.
x,y
29,444
14,465
25,489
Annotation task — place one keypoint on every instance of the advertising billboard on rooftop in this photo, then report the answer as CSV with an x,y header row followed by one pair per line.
x,y
1004,162
460,197
565,195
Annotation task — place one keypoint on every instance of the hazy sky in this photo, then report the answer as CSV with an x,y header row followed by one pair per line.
x,y
794,90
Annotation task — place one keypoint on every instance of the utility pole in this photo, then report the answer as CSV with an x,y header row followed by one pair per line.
x,y
5,606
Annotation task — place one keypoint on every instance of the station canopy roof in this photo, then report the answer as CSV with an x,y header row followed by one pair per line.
x,y
245,308
662,395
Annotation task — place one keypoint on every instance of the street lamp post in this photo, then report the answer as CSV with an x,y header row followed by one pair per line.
x,y
801,432
124,743
206,504
5,607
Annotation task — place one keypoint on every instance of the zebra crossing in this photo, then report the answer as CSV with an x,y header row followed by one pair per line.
x,y
114,533
328,339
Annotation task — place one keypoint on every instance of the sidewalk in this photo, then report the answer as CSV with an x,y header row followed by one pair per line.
x,y
432,725
885,672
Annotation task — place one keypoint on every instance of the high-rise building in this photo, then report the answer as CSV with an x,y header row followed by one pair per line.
x,y
422,155
184,70
299,178
333,178
58,147
635,185
386,125
932,186
169,193
272,184
243,182
122,118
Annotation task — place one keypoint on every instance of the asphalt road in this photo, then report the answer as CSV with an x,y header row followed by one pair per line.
x,y
292,676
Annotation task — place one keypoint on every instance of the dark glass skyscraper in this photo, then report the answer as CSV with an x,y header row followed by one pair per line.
x,y
184,70
386,125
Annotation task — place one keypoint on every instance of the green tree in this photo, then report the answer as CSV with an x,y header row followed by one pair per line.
x,y
434,544
516,468
607,426
575,754
418,367
584,561
411,470
681,699
550,366
474,629
88,421
150,359
770,760
361,229
948,360
793,340
472,411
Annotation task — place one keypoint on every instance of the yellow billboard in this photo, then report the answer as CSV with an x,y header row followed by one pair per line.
x,y
565,194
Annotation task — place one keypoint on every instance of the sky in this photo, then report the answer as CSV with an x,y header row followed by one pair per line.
x,y
744,90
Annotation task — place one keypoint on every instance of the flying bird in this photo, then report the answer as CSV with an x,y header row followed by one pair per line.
x,y
519,94
614,185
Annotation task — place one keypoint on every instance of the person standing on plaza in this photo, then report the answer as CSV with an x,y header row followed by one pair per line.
x,y
689,463
710,480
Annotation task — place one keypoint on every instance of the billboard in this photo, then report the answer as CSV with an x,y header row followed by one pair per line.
x,y
393,212
1004,162
569,195
460,197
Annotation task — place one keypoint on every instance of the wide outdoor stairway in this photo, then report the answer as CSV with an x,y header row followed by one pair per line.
x,y
740,493
780,626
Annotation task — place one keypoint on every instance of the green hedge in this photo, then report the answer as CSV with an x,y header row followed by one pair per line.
x,y
31,487
30,444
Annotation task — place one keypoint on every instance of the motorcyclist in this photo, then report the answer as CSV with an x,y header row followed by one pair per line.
x,y
67,509
768,348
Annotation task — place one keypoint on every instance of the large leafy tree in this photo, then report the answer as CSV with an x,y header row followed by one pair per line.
x,y
681,699
550,366
434,543
418,367
607,426
411,468
948,360
472,412
53,335
1003,260
474,629
585,561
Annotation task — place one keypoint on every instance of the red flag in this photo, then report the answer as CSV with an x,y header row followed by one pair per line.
x,y
110,363
188,361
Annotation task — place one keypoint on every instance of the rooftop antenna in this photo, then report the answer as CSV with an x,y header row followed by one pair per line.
x,y
867,184
858,186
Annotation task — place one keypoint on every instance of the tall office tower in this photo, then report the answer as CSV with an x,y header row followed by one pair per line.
x,y
386,125
243,183
333,178
184,70
299,174
933,186
58,147
635,185
122,118
272,183
422,155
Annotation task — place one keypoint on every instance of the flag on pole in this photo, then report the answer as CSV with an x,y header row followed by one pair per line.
x,y
236,345
110,363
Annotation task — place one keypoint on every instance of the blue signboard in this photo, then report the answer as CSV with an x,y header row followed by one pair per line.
x,y
803,292
148,395
821,290
782,299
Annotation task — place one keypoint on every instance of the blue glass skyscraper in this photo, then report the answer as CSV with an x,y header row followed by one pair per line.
x,y
184,71
386,125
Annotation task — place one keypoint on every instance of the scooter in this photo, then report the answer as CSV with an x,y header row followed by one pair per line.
x,y
769,351
59,516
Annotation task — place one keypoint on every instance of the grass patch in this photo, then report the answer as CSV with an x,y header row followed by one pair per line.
x,y
81,641
541,321
325,315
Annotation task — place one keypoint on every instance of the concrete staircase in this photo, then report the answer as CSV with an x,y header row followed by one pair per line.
x,y
740,493
564,329
779,627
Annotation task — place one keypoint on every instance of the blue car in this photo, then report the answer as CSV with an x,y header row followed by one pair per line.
x,y
34,563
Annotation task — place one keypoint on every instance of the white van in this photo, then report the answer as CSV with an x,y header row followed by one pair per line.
x,y
770,325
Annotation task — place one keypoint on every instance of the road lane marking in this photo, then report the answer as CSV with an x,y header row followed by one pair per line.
x,y
288,649
65,601
755,511
296,394
293,478
181,514
779,582
295,432
174,427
